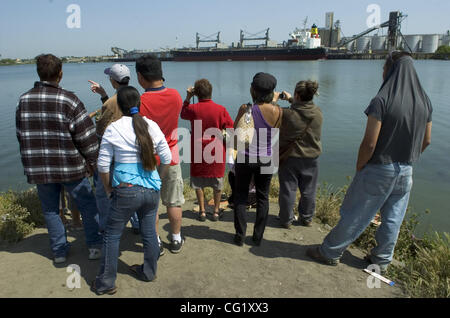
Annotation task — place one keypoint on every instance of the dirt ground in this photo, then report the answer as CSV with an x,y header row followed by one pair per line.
x,y
209,266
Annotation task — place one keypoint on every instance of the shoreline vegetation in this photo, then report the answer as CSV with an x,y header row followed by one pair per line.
x,y
442,53
421,265
65,60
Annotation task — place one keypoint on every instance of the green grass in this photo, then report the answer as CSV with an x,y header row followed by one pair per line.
x,y
427,273
422,266
20,213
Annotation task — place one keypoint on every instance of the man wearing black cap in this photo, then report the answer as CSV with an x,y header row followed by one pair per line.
x,y
163,106
252,161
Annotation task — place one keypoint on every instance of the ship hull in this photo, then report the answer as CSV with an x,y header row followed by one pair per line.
x,y
266,54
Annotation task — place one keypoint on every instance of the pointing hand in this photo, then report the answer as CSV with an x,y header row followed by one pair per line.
x,y
97,88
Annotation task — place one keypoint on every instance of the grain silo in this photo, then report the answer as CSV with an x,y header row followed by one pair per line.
x,y
379,43
363,44
413,41
430,43
349,46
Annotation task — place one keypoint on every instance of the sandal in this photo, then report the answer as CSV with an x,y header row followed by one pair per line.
x,y
217,215
202,216
224,197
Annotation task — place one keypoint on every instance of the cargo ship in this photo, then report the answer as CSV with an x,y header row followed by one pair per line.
x,y
247,54
303,45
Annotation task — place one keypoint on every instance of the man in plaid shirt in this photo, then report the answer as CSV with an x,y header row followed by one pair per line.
x,y
58,148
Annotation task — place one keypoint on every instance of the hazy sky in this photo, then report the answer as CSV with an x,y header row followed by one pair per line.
x,y
31,27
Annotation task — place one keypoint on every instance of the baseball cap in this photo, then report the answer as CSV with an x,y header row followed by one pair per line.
x,y
118,72
264,82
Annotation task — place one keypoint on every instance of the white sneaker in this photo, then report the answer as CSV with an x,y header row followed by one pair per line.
x,y
94,254
60,260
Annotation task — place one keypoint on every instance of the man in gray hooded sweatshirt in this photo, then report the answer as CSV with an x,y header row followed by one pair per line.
x,y
398,131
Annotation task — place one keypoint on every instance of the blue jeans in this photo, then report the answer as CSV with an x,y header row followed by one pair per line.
x,y
81,192
104,205
103,202
125,202
384,188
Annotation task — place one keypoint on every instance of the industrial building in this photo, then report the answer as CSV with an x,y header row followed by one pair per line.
x,y
416,43
363,43
312,43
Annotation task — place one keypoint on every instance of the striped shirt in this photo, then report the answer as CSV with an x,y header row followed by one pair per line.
x,y
56,136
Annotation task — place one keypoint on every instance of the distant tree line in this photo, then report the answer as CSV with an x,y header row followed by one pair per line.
x,y
16,62
443,52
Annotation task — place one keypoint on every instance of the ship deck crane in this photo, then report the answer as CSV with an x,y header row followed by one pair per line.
x,y
394,25
207,39
255,37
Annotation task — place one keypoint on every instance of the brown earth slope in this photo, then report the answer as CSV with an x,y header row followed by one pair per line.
x,y
209,266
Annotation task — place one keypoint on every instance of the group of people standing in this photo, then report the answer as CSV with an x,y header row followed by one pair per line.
x,y
132,153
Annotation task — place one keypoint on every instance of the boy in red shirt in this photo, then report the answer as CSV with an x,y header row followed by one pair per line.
x,y
205,116
163,106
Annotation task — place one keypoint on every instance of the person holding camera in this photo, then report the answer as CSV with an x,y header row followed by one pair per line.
x,y
300,148
206,172
255,161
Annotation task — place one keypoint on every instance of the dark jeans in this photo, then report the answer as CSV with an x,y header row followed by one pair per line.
x,y
298,173
244,173
81,192
104,204
232,180
125,202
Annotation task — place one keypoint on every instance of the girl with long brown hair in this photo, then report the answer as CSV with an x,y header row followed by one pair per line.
x,y
134,186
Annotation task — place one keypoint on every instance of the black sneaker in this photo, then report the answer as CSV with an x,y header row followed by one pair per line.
x,y
286,226
315,254
161,249
305,223
238,240
256,241
175,246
